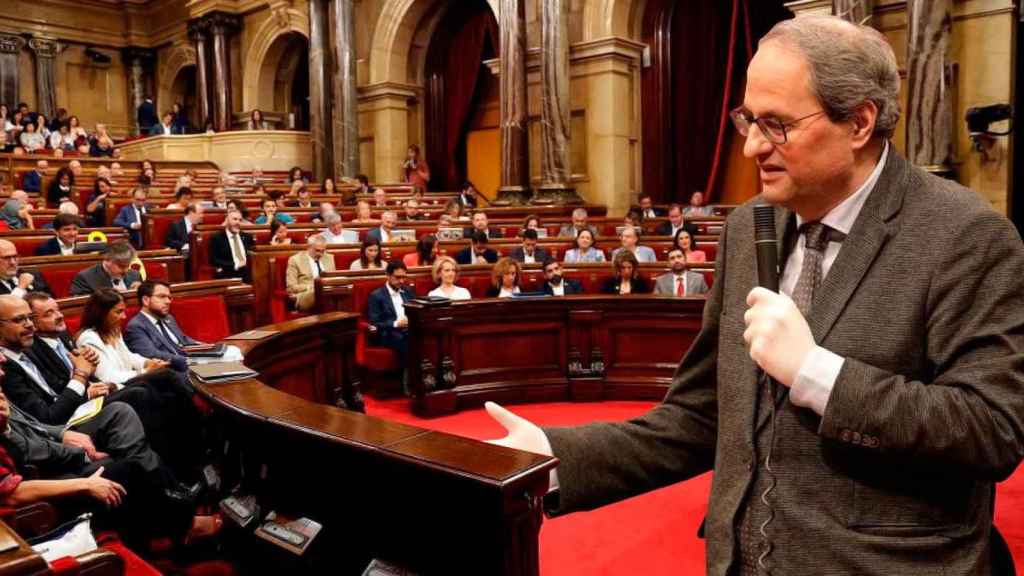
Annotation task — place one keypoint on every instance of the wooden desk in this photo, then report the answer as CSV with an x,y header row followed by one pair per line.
x,y
546,349
438,503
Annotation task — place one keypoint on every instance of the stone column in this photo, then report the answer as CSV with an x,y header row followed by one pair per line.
x,y
198,32
10,46
929,96
858,11
554,101
46,50
346,105
138,61
515,161
221,26
319,92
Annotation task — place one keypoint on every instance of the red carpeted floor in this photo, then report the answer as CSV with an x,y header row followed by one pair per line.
x,y
654,534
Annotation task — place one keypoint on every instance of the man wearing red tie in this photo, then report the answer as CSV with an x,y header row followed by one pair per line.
x,y
680,282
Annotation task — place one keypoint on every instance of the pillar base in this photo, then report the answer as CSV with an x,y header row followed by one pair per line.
x,y
556,193
512,196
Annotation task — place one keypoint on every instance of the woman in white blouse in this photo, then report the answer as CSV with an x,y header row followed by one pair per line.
x,y
445,273
101,331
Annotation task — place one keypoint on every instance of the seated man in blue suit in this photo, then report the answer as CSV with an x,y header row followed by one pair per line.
x,y
153,332
130,217
33,181
555,284
385,309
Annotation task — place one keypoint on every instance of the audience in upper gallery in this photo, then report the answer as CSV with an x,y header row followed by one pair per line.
x,y
78,135
335,232
455,211
630,239
96,203
115,271
364,215
304,198
445,273
696,207
680,282
480,226
504,279
228,249
131,216
33,181
685,242
43,127
468,195
385,310
61,139
584,250
279,234
382,233
369,256
65,228
532,222
425,254
415,170
529,252
101,144
153,332
412,210
557,285
477,252
676,222
181,123
218,198
256,121
31,140
17,211
380,198
146,116
627,279
61,188
182,199
270,213
14,280
303,270
579,222
179,231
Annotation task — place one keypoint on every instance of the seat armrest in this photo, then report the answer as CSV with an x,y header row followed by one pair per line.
x,y
32,519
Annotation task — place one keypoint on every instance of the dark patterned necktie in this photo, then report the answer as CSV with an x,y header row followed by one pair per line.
x,y
816,235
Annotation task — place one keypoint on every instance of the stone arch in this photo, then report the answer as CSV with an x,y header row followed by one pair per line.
x,y
178,58
265,52
604,18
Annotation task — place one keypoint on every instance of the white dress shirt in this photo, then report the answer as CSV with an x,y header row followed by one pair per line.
x,y
529,258
818,373
156,323
313,268
398,303
557,290
65,250
33,371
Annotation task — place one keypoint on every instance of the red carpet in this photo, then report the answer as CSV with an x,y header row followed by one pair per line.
x,y
654,534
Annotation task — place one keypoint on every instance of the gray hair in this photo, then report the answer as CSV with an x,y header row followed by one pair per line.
x,y
332,218
119,251
850,64
316,239
580,213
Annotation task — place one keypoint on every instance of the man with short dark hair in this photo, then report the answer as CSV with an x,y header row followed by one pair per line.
x,y
65,227
555,284
529,252
647,209
14,280
480,225
115,271
385,310
412,210
179,232
131,217
166,126
477,252
676,222
182,199
680,282
153,332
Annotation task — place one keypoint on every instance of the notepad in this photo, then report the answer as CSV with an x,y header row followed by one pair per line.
x,y
219,372
252,335
85,412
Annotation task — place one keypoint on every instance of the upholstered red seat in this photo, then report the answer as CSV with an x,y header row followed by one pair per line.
x,y
280,307
204,318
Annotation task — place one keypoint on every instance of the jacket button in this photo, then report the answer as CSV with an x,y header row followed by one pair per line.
x,y
844,435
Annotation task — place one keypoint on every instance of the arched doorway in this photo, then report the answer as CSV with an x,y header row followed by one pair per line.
x,y
457,88
283,85
183,91
699,53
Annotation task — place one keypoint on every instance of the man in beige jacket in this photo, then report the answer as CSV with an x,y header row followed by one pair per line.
x,y
303,270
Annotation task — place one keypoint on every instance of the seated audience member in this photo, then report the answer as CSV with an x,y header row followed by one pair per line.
x,y
335,232
33,181
532,222
557,285
328,187
131,217
325,208
165,127
630,239
102,146
296,175
228,249
634,217
304,199
65,227
369,256
468,197
696,207
270,213
66,207
15,281
101,331
477,252
675,223
647,209
385,310
182,199
412,210
480,226
17,212
579,222
96,203
279,234
584,250
382,233
153,332
183,181
455,211
445,272
686,243
425,254
363,183
218,198
61,187
115,271
239,206
444,221
61,139
115,172
627,278
43,128
380,198
31,140
179,231
76,168
680,281
504,279
256,121
364,214
529,252
303,270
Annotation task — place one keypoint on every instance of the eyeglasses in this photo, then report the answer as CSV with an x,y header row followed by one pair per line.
x,y
20,319
772,128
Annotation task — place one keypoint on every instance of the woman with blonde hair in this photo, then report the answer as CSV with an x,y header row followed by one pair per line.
x,y
504,278
445,272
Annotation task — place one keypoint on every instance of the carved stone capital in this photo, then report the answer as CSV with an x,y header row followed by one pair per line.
x,y
132,53
222,23
198,29
11,44
45,47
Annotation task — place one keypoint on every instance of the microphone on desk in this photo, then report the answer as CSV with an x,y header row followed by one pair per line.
x,y
766,244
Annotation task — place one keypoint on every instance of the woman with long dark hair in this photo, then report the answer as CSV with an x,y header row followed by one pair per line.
x,y
369,256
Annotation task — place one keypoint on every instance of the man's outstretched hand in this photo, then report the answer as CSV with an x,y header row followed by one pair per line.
x,y
522,434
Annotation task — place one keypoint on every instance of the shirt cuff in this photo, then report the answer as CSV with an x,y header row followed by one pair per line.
x,y
18,292
816,379
77,386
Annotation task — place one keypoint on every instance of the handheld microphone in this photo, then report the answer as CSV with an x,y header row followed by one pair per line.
x,y
766,244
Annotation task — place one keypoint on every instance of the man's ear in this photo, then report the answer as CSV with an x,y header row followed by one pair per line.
x,y
863,124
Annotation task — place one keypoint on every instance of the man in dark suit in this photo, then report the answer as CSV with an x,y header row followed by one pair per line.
x,y
179,231
382,233
676,222
228,249
529,252
14,280
115,271
647,208
477,252
33,181
132,215
555,284
146,116
879,444
468,196
63,243
153,332
165,127
480,225
385,309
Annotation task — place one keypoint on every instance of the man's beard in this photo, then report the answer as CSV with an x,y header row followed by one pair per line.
x,y
679,269
555,280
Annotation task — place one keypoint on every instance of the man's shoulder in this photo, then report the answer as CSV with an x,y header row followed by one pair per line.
x,y
296,258
137,322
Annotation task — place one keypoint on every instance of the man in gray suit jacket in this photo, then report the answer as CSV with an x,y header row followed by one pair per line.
x,y
680,281
153,332
895,349
114,271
